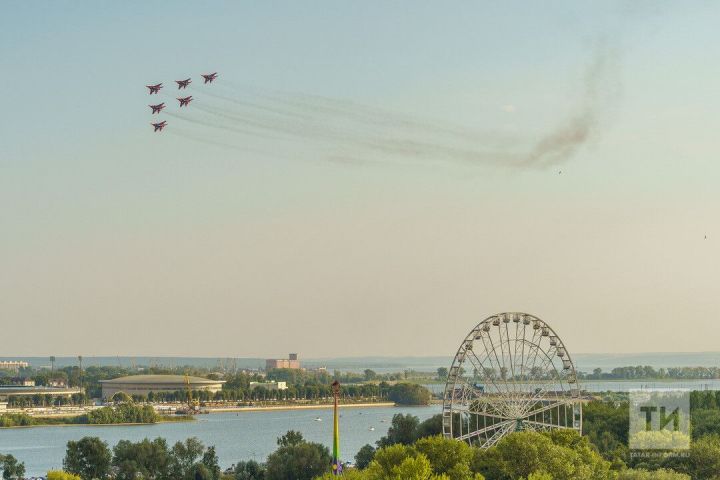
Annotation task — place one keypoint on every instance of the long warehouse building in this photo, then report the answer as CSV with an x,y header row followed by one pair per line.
x,y
144,384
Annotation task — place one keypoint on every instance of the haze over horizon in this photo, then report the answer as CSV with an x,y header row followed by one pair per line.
x,y
363,179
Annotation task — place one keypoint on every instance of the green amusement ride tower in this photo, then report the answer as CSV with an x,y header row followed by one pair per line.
x,y
336,465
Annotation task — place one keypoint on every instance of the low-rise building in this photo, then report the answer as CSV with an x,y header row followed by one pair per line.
x,y
21,391
292,362
23,382
12,365
144,384
269,385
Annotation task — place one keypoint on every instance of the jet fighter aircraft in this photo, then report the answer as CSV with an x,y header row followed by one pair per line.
x,y
159,126
183,83
157,108
154,88
184,102
210,77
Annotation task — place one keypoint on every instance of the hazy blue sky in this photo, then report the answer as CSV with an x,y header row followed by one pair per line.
x,y
363,178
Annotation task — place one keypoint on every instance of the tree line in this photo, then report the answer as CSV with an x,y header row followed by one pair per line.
x,y
301,386
122,413
646,372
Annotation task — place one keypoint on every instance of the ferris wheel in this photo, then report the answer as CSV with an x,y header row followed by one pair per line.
x,y
511,373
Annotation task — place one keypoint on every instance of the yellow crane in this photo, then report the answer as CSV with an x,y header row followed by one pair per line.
x,y
192,405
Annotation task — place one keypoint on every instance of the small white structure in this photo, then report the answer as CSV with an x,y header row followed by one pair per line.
x,y
269,385
13,366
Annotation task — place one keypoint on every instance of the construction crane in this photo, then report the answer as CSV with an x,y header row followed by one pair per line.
x,y
192,404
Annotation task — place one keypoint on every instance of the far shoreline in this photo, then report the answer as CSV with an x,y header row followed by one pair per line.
x,y
210,411
318,406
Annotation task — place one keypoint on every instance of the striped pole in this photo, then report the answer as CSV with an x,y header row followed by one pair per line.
x,y
336,465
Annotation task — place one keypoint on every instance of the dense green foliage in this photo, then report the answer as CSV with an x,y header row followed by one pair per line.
x,y
364,456
250,470
296,459
9,420
46,400
564,455
146,459
642,474
406,429
88,457
409,394
11,468
602,452
431,458
123,413
402,430
91,458
61,475
606,425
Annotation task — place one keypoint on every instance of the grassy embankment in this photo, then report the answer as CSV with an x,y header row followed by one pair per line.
x,y
125,414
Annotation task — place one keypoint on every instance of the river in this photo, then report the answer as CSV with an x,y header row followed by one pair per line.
x,y
236,436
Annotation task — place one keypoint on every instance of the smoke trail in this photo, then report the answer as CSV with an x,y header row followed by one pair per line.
x,y
215,125
375,134
600,87
304,131
206,141
250,105
182,133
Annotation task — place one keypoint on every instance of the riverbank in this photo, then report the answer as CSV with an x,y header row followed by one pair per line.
x,y
73,420
319,406
122,414
69,423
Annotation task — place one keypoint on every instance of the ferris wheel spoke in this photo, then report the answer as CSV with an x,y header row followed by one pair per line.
x,y
480,366
482,396
545,359
504,391
539,425
469,410
510,344
498,435
492,350
547,407
477,433
516,344
533,347
539,390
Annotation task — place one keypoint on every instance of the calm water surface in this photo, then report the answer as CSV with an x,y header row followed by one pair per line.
x,y
236,436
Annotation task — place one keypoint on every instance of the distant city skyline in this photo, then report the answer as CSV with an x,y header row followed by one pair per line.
x,y
361,179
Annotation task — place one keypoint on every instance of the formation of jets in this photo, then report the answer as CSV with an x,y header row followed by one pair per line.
x,y
184,101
